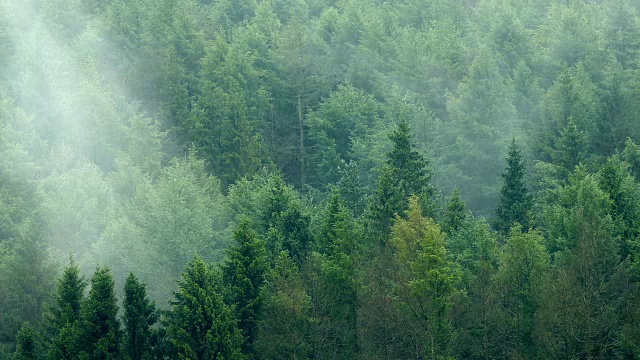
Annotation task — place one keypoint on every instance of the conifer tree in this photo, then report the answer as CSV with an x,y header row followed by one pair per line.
x,y
284,218
100,328
27,346
200,325
455,212
243,276
405,173
521,277
139,316
65,315
571,148
515,200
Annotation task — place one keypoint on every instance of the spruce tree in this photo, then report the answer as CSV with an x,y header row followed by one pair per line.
x,y
243,276
100,332
455,213
405,173
65,315
571,148
515,200
283,216
200,325
139,316
27,346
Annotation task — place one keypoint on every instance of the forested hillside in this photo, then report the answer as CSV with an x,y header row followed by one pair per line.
x,y
319,179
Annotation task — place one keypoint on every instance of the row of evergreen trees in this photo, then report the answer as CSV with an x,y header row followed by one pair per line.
x,y
555,277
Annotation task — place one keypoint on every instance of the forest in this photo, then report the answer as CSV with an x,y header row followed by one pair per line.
x,y
319,179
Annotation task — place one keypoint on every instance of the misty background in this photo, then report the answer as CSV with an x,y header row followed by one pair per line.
x,y
136,133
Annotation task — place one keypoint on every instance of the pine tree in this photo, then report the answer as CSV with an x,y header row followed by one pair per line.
x,y
200,325
405,173
243,276
515,200
139,316
27,346
100,328
455,212
65,315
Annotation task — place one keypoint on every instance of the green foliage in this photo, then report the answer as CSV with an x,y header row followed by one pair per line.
x,y
65,315
137,134
455,213
27,344
139,316
284,219
348,113
243,276
515,200
284,326
99,327
27,277
427,280
164,224
200,325
524,267
405,173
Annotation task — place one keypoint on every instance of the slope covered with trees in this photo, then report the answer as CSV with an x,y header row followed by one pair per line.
x,y
319,179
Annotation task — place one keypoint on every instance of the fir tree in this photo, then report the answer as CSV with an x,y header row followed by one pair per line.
x,y
100,326
65,315
284,218
139,316
200,325
515,200
455,213
406,173
243,276
571,148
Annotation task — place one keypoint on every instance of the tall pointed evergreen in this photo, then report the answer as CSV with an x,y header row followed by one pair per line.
x,y
200,325
139,316
65,315
406,173
243,276
515,200
100,328
455,213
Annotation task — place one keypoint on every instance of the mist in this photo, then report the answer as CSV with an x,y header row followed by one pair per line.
x,y
323,144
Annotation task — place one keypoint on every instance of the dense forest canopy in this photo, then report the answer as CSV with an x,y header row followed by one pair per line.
x,y
319,179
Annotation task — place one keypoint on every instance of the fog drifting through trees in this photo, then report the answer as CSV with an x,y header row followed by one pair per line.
x,y
319,179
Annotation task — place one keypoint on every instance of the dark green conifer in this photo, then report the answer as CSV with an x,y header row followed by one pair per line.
x,y
455,213
139,316
571,148
27,346
65,315
405,173
243,276
283,215
200,325
100,328
515,200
